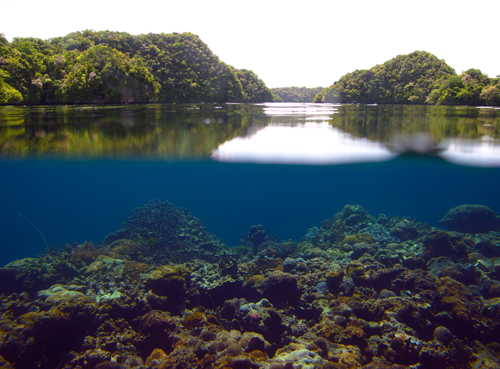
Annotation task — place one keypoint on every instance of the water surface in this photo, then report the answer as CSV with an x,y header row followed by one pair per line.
x,y
77,172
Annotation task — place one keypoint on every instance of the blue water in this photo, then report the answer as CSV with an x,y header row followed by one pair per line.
x,y
74,201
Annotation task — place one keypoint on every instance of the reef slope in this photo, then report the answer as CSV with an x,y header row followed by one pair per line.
x,y
162,292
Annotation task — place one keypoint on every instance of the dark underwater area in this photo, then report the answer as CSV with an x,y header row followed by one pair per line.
x,y
77,201
200,264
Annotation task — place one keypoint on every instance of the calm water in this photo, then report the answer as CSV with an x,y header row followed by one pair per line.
x,y
76,173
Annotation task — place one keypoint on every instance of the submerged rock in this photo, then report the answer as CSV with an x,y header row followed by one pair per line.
x,y
58,293
301,358
443,335
449,244
471,219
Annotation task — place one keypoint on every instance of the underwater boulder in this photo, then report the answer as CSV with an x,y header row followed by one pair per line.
x,y
471,219
58,293
257,235
404,230
334,279
442,335
156,329
327,225
282,289
169,281
299,358
251,341
194,320
160,232
450,244
385,294
360,249
242,362
167,287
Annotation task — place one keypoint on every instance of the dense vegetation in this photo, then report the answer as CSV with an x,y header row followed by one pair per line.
x,y
116,67
296,94
416,78
472,87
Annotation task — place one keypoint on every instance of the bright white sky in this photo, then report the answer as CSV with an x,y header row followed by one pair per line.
x,y
286,43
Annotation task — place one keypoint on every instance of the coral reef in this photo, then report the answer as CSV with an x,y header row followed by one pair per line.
x,y
471,219
356,292
162,232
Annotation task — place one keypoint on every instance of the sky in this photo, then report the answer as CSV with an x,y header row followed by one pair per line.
x,y
286,43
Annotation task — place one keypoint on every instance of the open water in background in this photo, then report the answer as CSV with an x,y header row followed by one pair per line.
x,y
77,173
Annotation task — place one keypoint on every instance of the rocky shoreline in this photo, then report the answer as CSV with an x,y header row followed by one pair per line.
x,y
355,292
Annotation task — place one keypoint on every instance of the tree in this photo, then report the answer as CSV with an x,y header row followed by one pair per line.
x,y
254,88
467,89
296,94
8,94
405,79
111,67
102,74
491,95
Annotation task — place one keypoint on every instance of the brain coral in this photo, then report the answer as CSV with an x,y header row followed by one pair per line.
x,y
471,219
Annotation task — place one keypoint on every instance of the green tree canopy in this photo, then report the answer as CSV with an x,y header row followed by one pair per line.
x,y
254,88
296,94
116,67
416,78
103,74
404,79
472,87
8,94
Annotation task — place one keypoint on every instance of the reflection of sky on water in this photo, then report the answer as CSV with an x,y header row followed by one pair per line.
x,y
306,109
300,134
313,141
320,143
482,153
308,143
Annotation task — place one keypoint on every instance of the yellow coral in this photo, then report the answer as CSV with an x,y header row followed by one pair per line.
x,y
358,238
351,239
194,320
255,281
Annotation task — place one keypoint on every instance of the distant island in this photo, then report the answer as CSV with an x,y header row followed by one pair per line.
x,y
416,78
116,67
296,94
103,67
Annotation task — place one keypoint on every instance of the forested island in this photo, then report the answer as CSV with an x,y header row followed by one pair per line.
x,y
296,94
116,67
416,78
103,67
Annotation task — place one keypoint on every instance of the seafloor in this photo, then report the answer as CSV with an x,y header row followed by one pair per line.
x,y
355,292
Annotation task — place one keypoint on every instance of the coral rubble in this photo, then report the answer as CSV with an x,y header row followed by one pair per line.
x,y
357,292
